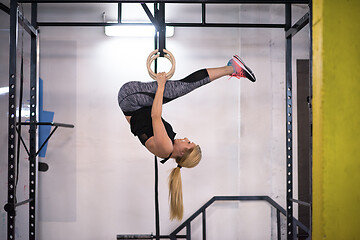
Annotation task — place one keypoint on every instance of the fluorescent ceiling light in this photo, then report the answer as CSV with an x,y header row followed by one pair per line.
x,y
4,90
134,30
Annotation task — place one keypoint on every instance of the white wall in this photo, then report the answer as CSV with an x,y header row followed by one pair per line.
x,y
100,181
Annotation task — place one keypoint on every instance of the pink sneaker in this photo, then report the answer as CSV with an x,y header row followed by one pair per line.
x,y
240,69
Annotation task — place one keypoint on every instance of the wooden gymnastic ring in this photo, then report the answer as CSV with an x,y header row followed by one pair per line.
x,y
154,55
152,74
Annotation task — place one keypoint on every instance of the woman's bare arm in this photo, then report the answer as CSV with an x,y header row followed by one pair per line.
x,y
161,144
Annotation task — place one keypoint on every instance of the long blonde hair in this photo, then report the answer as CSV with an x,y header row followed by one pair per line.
x,y
190,159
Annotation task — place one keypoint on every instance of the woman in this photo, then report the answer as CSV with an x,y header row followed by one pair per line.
x,y
141,103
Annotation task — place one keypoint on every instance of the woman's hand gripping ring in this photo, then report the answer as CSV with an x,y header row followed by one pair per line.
x,y
154,55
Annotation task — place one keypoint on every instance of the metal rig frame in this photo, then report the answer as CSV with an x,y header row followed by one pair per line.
x,y
16,17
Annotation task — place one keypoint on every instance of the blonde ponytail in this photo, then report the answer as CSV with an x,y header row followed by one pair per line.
x,y
175,195
189,160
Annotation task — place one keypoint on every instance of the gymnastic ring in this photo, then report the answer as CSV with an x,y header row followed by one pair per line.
x,y
154,55
152,74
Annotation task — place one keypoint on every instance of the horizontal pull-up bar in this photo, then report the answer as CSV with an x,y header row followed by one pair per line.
x,y
51,124
145,236
228,25
214,25
174,1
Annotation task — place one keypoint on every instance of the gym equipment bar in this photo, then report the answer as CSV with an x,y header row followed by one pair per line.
x,y
47,139
22,20
289,136
218,25
26,24
33,160
12,120
186,224
4,8
175,1
298,25
11,207
145,236
300,202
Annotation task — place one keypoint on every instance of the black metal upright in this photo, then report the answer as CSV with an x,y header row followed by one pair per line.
x,y
161,28
33,169
12,120
289,138
157,215
157,212
156,39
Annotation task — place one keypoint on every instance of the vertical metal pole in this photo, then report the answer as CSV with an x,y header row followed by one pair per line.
x,y
119,12
188,231
33,169
289,139
157,222
162,30
156,10
12,119
278,224
203,13
157,215
204,224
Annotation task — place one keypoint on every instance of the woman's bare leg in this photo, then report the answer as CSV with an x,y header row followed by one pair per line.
x,y
215,73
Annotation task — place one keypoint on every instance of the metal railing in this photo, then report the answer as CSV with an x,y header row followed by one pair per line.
x,y
202,210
